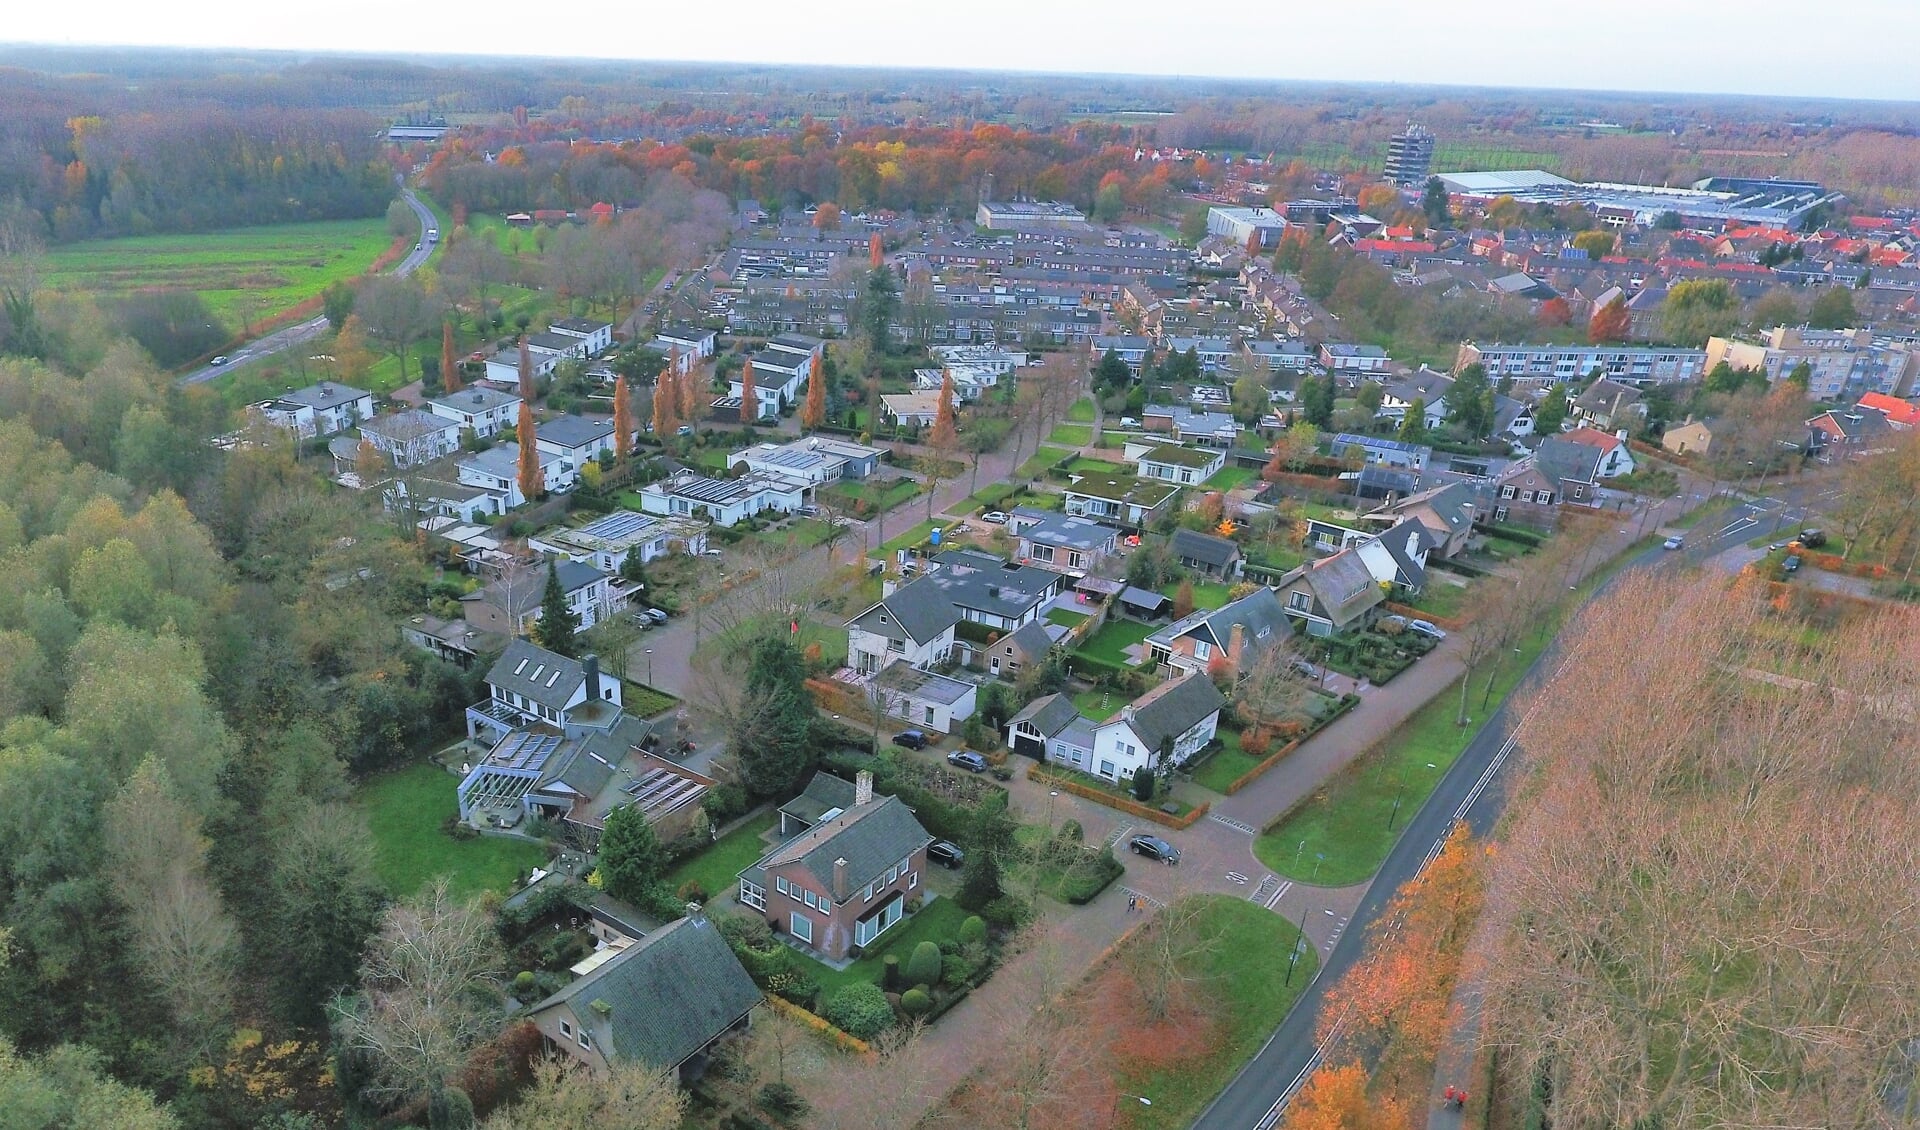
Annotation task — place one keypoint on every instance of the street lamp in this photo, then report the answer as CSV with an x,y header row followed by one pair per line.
x,y
1141,1099
649,666
1398,795
1299,947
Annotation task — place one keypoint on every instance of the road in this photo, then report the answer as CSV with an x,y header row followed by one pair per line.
x,y
1474,790
290,336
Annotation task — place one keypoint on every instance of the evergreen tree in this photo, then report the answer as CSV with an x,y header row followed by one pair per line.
x,y
1434,203
631,858
772,741
878,306
1470,401
1113,372
1413,427
558,622
1552,411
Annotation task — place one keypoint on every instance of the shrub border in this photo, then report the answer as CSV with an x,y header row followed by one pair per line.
x,y
1038,771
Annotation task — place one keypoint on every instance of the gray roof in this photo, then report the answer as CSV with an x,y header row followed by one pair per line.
x,y
325,395
580,325
1568,461
476,399
410,424
546,677
1258,613
1029,639
586,765
1143,598
1343,586
927,686
1049,714
1452,503
1069,530
557,342
916,609
575,431
1401,542
669,995
871,838
1171,709
823,794
522,596
1205,548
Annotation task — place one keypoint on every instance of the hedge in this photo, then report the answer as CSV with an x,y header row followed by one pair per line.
x,y
1038,772
1347,702
788,1008
1515,533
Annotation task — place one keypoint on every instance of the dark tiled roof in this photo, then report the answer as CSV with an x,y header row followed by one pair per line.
x,y
1206,548
823,794
1402,542
586,765
545,677
1566,460
1172,708
871,838
1343,585
1030,640
574,431
666,996
918,609
1049,714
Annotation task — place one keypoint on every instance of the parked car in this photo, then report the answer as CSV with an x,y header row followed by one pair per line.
x,y
995,517
1674,542
710,553
1397,621
1302,668
968,760
220,360
1791,564
1129,422
657,615
684,430
1153,847
910,739
946,854
1813,539
1427,628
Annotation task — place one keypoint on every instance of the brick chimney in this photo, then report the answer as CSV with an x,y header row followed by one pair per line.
x,y
1236,642
862,787
591,663
840,892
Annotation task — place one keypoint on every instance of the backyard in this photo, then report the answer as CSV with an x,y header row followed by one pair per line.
x,y
405,810
1100,703
1113,639
1230,478
1206,594
1442,597
717,867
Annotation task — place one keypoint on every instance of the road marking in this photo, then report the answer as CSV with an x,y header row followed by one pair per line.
x,y
1120,835
1236,877
1143,897
1234,824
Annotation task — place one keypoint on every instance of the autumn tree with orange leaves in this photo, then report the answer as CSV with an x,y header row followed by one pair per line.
x,y
532,479
944,436
1611,323
749,395
813,412
622,420
666,403
526,371
449,364
687,387
1335,1098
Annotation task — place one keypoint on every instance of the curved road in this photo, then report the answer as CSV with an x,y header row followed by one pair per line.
x,y
1473,790
293,335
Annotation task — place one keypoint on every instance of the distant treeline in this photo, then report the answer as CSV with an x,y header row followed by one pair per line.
x,y
89,161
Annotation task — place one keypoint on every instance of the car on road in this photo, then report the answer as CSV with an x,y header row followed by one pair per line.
x,y
910,739
1153,847
946,853
684,430
656,615
994,517
1674,542
968,760
1791,564
1129,422
220,360
1813,539
433,233
1302,668
1777,547
1427,628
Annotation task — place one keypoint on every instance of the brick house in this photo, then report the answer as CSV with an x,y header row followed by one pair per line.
x,y
844,881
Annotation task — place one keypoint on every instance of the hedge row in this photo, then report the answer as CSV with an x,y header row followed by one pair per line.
x,y
1038,772
1347,702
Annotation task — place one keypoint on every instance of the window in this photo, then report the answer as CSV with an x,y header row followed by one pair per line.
x,y
1506,492
1545,498
893,874
566,1029
1202,650
906,863
1106,769
586,1041
807,897
753,896
802,927
869,897
1299,601
780,884
1526,496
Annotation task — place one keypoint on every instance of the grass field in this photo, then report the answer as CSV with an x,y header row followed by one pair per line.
x,y
1114,637
1085,466
717,869
1037,463
910,538
1206,594
1080,411
1066,618
1442,597
1071,435
1100,705
801,533
1229,478
886,493
245,274
1243,971
404,811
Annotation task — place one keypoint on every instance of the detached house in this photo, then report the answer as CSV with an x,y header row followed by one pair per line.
x,y
1012,653
1238,632
1616,458
1126,501
512,605
318,410
483,410
1161,729
914,623
1206,554
1333,594
844,881
412,437
1446,511
664,1001
575,440
531,686
1064,541
1398,558
1187,466
1052,729
722,501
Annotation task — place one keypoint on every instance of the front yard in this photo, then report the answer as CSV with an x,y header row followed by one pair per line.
x,y
936,921
406,811
1442,597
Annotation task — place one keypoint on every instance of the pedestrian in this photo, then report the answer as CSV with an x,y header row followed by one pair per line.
x,y
1133,902
1459,1100
1449,1096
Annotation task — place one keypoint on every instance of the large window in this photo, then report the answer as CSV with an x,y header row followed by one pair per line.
x,y
755,897
867,929
802,927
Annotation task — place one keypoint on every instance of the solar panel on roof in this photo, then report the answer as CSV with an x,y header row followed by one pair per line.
x,y
617,524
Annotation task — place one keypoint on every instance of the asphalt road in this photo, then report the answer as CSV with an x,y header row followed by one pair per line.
x,y
1474,790
290,336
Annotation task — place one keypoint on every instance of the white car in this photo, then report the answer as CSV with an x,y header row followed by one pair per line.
x,y
1672,543
1426,628
994,517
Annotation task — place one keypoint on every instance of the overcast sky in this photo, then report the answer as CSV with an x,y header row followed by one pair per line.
x,y
1839,48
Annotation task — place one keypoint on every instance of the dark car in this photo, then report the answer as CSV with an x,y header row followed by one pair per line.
x,y
1813,539
910,739
1790,565
1153,847
968,760
946,854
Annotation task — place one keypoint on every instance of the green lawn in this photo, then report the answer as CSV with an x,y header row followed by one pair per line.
x,y
1097,467
645,702
1114,637
1226,766
255,272
1066,618
910,538
1442,598
1230,478
404,811
886,495
1100,705
937,920
1206,594
1072,435
1081,411
1245,972
801,533
717,868
1042,458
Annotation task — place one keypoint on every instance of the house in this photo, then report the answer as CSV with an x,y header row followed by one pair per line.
x,y
561,346
1428,387
1446,511
915,622
511,605
479,409
1397,559
723,502
1333,594
318,410
1849,433
1616,458
815,460
778,375
1902,414
575,440
843,882
991,357
529,686
694,343
1051,728
609,540
1160,730
1635,365
921,697
1013,653
1130,348
1211,429
1693,437
912,409
1065,541
1378,451
969,383
1188,466
497,471
504,366
1346,359
1237,631
1572,468
1529,491
990,590
664,1001
412,437
1207,554
578,779
1125,500
1608,404
1287,356
455,641
596,337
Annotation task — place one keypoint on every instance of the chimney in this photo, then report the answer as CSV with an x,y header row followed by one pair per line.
x,y
1621,435
840,892
1236,640
591,663
862,787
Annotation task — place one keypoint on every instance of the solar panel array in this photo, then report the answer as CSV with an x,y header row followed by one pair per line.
x,y
618,524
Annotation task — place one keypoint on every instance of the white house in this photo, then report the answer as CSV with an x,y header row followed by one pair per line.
x,y
497,471
504,366
691,343
777,377
1179,714
575,440
922,698
1125,500
484,410
992,357
969,383
530,686
598,336
318,410
1171,463
1616,458
608,541
722,501
814,460
1053,729
412,437
914,623
1066,542
559,345
913,409
1340,358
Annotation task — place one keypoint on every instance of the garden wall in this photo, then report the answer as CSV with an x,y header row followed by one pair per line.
x,y
1038,772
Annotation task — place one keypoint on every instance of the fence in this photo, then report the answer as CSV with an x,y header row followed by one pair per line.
x,y
1037,772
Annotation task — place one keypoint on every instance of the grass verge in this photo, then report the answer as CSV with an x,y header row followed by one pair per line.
x,y
405,809
1072,435
1080,411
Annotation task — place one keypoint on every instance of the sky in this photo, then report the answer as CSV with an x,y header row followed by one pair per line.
x,y
1838,49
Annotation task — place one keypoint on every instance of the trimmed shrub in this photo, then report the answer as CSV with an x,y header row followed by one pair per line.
x,y
916,1002
782,1100
956,969
1006,912
890,971
1143,784
923,968
973,931
1071,830
523,983
860,1010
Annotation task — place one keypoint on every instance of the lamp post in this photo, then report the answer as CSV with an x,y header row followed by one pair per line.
x,y
1299,944
1399,794
1118,1095
649,666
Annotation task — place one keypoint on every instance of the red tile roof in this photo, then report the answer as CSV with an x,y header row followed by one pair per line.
x,y
1593,437
1896,410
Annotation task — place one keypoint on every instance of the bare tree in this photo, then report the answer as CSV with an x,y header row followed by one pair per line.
x,y
396,311
1164,957
566,1096
890,1088
1270,688
430,993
